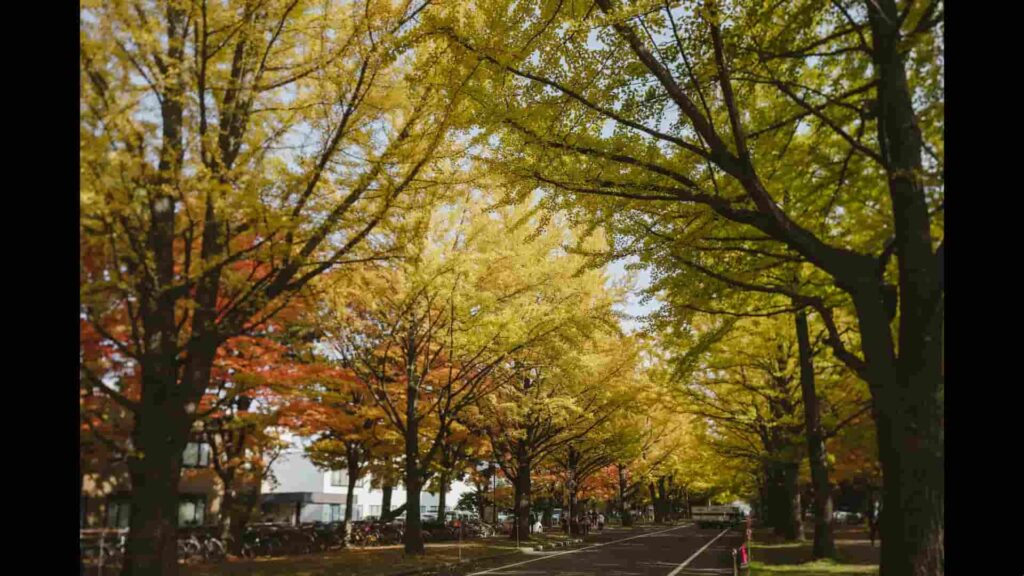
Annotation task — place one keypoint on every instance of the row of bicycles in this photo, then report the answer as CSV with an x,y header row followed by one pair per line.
x,y
276,539
106,546
272,539
203,544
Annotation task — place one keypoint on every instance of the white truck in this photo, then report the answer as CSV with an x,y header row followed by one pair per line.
x,y
717,516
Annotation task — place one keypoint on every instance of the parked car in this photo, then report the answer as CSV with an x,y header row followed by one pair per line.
x,y
846,516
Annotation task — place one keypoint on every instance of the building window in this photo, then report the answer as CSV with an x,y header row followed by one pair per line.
x,y
337,513
423,509
375,510
433,509
340,478
191,509
118,513
196,455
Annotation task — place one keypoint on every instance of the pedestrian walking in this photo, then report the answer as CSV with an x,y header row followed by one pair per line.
x,y
600,522
874,517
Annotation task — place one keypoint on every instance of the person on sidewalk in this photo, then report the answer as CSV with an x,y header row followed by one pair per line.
x,y
874,516
600,522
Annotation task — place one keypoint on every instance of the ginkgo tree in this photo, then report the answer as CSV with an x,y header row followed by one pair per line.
x,y
811,130
337,412
568,391
230,153
606,431
434,332
663,443
747,381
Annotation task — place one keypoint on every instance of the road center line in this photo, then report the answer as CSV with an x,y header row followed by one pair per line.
x,y
697,553
582,549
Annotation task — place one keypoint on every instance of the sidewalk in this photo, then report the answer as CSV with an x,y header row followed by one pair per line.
x,y
855,556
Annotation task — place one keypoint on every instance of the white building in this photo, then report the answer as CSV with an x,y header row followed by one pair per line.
x,y
305,492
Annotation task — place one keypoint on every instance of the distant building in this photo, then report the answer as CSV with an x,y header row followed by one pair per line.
x,y
106,496
301,492
309,494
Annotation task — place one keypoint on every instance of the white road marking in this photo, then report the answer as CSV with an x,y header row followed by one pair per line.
x,y
582,549
697,553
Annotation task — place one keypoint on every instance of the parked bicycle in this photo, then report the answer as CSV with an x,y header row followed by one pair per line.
x,y
104,546
200,544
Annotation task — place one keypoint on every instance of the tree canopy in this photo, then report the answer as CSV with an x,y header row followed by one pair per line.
x,y
389,226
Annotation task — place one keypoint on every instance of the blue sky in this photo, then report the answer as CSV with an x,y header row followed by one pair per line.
x,y
637,280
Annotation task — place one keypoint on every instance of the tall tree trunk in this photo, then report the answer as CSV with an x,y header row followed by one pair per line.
x,y
654,502
548,513
385,505
481,500
761,506
908,392
352,461
160,438
572,486
790,520
627,518
781,497
442,497
817,455
771,495
908,414
162,422
572,496
413,526
228,503
413,478
238,513
522,496
662,500
686,503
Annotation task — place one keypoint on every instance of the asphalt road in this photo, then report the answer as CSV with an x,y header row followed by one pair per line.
x,y
680,551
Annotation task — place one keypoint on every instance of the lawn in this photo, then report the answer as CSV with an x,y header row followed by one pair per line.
x,y
855,555
815,568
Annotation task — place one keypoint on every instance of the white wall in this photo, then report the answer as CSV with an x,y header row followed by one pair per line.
x,y
369,500
295,473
